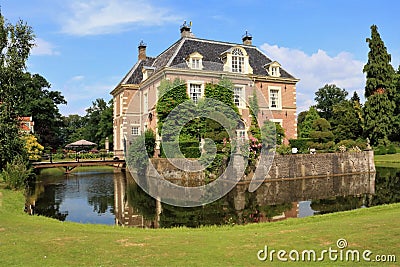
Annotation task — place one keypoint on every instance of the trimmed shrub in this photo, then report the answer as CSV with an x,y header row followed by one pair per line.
x,y
284,149
302,144
191,152
391,149
381,150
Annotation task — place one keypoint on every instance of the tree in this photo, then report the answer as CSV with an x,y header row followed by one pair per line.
x,y
327,97
16,42
105,127
322,134
346,121
34,149
307,125
395,136
355,97
72,128
378,69
379,90
42,104
98,122
378,120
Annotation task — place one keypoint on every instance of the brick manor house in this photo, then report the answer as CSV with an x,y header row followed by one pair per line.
x,y
198,62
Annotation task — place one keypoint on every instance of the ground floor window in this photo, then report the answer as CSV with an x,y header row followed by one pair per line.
x,y
135,130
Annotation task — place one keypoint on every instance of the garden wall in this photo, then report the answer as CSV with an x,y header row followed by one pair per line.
x,y
285,166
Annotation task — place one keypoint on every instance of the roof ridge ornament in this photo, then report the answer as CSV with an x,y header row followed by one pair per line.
x,y
247,38
142,43
186,29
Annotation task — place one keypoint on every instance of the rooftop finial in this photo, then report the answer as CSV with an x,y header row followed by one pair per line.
x,y
142,43
247,38
185,29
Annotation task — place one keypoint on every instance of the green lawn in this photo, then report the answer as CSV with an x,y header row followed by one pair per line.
x,y
39,241
388,160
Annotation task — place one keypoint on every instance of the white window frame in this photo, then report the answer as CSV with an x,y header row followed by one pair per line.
x,y
278,105
241,134
195,63
238,62
199,94
135,130
280,121
145,102
274,71
239,94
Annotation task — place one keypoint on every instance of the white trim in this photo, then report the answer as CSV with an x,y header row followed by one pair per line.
x,y
242,96
201,83
145,101
137,127
280,121
279,97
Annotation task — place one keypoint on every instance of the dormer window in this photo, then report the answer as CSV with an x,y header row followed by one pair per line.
x,y
273,69
195,61
147,71
237,60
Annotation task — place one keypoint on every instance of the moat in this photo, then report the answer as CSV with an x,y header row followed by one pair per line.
x,y
104,197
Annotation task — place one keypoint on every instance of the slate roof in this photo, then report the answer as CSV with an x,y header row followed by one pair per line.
x,y
175,57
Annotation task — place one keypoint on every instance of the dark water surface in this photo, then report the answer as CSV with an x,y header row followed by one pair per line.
x,y
105,197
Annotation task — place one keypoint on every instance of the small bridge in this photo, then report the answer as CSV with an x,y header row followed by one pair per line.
x,y
68,166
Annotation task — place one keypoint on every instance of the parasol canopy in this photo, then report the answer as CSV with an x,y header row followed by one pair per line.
x,y
80,143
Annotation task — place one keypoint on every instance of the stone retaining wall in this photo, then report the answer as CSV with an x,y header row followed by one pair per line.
x,y
283,167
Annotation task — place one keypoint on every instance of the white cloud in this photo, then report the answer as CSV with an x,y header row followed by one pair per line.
x,y
318,69
43,48
111,16
78,78
80,91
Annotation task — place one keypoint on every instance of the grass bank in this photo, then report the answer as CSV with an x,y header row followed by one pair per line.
x,y
39,241
388,160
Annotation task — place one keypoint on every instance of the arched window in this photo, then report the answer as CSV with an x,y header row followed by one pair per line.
x,y
237,60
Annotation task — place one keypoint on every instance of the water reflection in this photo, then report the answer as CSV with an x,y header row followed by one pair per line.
x,y
115,198
274,200
86,197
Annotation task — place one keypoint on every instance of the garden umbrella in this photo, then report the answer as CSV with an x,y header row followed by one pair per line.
x,y
80,144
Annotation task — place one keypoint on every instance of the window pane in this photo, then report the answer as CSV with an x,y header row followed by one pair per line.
x,y
135,130
195,92
237,95
274,98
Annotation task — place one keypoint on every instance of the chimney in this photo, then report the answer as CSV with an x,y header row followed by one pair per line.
x,y
247,39
142,51
185,30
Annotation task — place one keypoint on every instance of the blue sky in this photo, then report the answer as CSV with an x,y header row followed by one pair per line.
x,y
84,48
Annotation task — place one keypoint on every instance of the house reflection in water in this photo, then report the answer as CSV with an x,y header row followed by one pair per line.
x,y
275,200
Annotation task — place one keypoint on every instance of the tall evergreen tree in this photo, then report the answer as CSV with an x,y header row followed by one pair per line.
x,y
396,125
379,91
378,69
355,97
